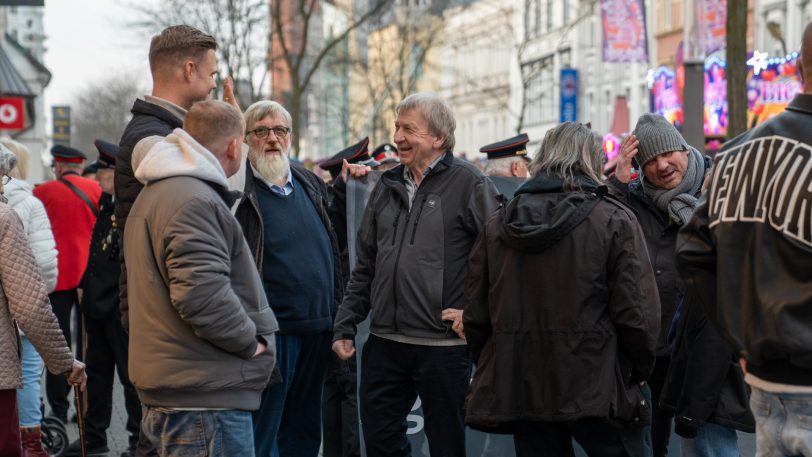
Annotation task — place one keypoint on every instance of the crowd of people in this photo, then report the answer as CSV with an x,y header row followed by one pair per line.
x,y
212,274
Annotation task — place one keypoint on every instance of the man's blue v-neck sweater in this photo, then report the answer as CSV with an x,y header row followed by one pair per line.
x,y
297,263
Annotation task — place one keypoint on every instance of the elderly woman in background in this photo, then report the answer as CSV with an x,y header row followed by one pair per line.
x,y
560,277
23,303
37,228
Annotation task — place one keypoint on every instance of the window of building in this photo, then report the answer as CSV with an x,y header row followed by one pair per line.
x,y
539,103
548,15
565,13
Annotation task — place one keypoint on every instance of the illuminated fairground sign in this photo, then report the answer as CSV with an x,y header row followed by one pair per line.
x,y
771,84
665,95
715,97
611,146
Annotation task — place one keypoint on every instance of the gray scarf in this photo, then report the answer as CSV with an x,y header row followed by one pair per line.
x,y
680,201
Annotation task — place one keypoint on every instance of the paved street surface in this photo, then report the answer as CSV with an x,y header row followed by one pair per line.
x,y
117,439
117,434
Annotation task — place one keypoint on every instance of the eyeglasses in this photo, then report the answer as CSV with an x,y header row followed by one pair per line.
x,y
280,131
6,179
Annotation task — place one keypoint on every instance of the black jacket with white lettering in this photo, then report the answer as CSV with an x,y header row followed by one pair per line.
x,y
747,251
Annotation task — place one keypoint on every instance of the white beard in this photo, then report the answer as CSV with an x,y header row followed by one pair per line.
x,y
272,167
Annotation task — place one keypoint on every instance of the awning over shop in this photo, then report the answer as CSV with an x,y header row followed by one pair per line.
x,y
11,82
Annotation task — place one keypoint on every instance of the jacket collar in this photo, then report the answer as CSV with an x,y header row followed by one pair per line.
x,y
397,174
802,103
150,109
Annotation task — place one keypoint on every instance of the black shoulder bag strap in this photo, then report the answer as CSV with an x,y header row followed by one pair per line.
x,y
81,195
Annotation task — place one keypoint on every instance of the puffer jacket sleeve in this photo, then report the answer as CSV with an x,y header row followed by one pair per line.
x,y
634,304
27,299
198,268
42,242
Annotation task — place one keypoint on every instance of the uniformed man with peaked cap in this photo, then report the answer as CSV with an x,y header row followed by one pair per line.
x,y
106,338
71,202
507,157
357,153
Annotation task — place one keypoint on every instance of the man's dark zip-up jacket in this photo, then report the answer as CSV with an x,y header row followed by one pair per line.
x,y
411,263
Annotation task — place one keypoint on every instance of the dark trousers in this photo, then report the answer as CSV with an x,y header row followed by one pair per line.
x,y
106,354
660,419
56,389
288,422
393,375
341,424
598,438
10,445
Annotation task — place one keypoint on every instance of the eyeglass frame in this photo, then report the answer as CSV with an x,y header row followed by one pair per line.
x,y
277,129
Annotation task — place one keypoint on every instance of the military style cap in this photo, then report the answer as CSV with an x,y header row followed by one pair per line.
x,y
384,151
67,154
516,146
357,153
107,154
91,168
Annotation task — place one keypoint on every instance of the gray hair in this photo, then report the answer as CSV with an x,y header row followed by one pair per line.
x,y
264,108
501,166
438,114
7,160
569,150
19,150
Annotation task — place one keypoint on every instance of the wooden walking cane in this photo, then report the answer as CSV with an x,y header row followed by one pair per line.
x,y
80,418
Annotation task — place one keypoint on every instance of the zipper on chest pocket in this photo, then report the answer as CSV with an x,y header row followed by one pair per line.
x,y
417,219
395,226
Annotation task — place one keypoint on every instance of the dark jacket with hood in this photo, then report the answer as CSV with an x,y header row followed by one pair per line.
x,y
747,251
561,310
249,216
411,262
704,382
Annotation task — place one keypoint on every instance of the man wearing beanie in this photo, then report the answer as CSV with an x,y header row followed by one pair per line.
x,y
663,197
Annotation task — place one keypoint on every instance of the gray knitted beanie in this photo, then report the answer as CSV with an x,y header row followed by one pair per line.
x,y
656,136
7,160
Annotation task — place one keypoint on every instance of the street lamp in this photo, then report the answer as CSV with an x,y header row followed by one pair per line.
x,y
775,31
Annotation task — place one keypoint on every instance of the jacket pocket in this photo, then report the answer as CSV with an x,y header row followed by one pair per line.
x,y
256,371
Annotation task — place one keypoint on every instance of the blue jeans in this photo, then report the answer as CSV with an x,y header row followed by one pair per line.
x,y
211,433
288,422
712,440
783,423
28,398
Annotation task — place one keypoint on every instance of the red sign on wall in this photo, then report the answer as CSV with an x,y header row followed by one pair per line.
x,y
12,113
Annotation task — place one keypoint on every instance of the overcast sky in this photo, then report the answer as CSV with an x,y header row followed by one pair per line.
x,y
88,41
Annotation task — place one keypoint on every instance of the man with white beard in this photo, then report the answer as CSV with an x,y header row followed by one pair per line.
x,y
284,218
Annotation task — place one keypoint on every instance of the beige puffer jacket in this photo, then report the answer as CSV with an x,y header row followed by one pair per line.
x,y
24,302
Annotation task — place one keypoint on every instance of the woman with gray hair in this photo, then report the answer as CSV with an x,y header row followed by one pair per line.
x,y
24,304
560,277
